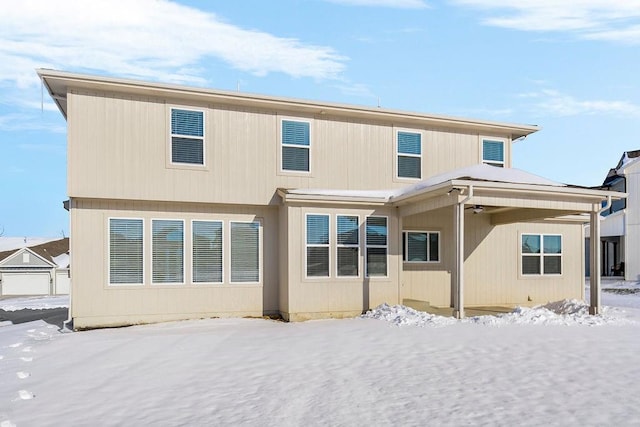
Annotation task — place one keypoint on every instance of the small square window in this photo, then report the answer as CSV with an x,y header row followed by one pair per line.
x,y
541,254
493,152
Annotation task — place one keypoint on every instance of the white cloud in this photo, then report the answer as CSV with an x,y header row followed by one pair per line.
x,y
150,39
556,103
399,4
613,20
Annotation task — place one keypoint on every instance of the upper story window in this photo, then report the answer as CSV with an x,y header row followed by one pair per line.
x,y
615,183
187,136
296,144
541,254
493,152
409,154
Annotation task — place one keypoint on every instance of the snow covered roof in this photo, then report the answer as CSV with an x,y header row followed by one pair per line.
x,y
480,172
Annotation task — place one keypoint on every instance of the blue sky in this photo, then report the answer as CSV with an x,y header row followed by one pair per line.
x,y
570,67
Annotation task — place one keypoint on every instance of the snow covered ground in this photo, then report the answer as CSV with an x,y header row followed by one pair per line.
x,y
551,365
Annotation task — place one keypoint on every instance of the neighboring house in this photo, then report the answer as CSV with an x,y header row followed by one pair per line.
x,y
620,227
41,269
187,202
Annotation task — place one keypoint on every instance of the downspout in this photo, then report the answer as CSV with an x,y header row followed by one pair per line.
x,y
458,311
67,322
595,306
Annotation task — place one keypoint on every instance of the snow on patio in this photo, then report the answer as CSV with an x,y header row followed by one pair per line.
x,y
552,365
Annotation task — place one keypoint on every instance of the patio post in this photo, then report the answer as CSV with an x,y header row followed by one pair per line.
x,y
594,254
458,309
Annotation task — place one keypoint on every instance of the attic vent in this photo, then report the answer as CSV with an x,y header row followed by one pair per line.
x,y
25,258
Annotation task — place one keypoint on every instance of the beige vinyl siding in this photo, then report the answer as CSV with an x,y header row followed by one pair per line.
x,y
333,296
119,148
95,303
492,263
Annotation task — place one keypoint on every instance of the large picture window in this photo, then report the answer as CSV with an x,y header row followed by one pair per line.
x,y
245,252
421,246
126,251
187,136
348,245
207,251
167,246
296,143
409,154
541,254
376,246
317,245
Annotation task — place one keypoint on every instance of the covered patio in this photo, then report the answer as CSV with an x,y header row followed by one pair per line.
x,y
505,196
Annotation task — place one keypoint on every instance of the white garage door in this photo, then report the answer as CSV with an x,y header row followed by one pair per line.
x,y
63,282
25,284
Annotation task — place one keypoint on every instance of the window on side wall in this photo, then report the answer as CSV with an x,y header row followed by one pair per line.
x,y
296,145
245,252
167,251
421,246
493,152
541,254
187,136
376,246
126,250
348,245
207,251
409,155
317,245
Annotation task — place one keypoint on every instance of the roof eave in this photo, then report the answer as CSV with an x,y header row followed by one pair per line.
x,y
81,81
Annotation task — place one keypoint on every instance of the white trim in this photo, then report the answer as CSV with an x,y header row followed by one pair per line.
x,y
204,139
193,282
184,267
541,255
260,245
342,245
281,145
327,245
366,246
406,247
420,132
109,252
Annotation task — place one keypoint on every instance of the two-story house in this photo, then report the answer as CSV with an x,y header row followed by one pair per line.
x,y
187,202
620,229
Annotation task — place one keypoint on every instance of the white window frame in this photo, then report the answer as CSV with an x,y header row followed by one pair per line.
x,y
230,250
397,154
109,252
178,135
281,145
503,163
342,245
367,246
315,245
184,252
542,254
428,233
222,227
